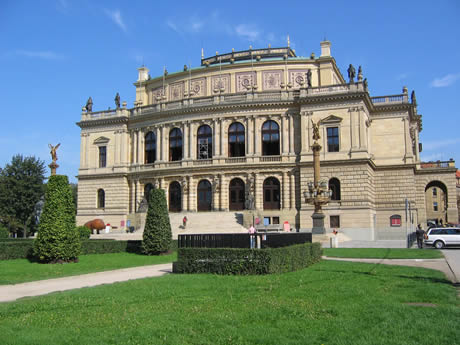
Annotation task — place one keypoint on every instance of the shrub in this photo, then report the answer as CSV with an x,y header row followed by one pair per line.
x,y
4,233
157,231
16,249
110,246
247,261
57,239
84,232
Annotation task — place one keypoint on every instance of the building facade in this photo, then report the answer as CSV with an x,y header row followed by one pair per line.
x,y
235,135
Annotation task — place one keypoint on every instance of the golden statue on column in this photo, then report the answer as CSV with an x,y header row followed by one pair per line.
x,y
53,153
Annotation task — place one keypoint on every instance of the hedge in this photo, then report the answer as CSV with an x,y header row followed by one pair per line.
x,y
23,248
247,261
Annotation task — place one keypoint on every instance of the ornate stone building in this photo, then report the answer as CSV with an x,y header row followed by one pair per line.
x,y
236,134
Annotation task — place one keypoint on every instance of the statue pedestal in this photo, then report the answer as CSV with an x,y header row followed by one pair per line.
x,y
53,166
318,223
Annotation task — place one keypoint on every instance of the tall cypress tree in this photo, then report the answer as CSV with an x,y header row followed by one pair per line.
x,y
57,239
157,236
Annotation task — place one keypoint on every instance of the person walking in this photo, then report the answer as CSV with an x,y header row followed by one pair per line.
x,y
252,237
184,222
419,233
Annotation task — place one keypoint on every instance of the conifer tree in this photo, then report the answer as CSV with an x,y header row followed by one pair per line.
x,y
157,236
57,239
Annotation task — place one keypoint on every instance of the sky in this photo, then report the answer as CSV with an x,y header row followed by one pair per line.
x,y
57,53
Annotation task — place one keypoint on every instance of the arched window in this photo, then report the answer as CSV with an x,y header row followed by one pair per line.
x,y
236,195
175,197
147,189
204,190
270,138
100,198
334,186
175,144
150,148
436,202
271,194
204,142
236,141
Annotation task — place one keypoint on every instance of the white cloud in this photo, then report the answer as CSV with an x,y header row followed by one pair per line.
x,y
173,26
446,80
46,55
434,145
196,24
248,32
116,18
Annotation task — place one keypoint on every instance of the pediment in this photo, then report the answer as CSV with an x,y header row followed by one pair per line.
x,y
331,119
101,140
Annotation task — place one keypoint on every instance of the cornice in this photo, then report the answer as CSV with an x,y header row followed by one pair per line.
x,y
103,122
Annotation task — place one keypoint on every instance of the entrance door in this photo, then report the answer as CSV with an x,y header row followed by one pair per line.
x,y
236,193
175,197
204,195
271,194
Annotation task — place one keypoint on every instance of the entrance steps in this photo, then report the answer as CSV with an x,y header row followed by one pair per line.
x,y
198,223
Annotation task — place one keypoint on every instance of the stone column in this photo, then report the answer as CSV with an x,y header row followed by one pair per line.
x,y
257,137
191,194
192,141
284,134
132,193
417,153
142,147
185,141
215,139
362,129
291,190
407,140
285,186
354,128
163,154
258,190
305,132
83,149
222,150
249,136
291,134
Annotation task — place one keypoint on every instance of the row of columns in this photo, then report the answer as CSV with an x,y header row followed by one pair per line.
x,y
219,126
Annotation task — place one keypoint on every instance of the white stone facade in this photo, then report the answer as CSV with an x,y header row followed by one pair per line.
x,y
370,145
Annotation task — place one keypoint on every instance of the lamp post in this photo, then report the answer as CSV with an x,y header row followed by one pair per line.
x,y
318,193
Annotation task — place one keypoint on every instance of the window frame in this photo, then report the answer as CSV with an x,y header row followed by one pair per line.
x,y
328,137
147,149
335,217
173,146
204,136
237,133
395,220
268,145
101,198
102,156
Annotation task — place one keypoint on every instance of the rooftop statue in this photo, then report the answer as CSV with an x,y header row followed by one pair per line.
x,y
89,105
117,100
309,78
351,73
412,98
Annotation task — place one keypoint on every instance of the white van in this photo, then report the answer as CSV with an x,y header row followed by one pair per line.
x,y
441,237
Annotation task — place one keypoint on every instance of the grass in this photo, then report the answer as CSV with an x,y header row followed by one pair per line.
x,y
383,253
22,270
331,302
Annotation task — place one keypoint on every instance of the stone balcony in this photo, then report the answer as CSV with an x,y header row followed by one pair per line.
x,y
220,99
437,165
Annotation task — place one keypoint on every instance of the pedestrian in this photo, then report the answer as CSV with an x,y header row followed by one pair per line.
x,y
419,233
252,237
184,222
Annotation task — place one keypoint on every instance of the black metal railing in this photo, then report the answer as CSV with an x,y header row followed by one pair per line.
x,y
263,240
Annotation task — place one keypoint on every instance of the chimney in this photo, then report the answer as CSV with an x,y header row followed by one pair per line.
x,y
325,49
143,73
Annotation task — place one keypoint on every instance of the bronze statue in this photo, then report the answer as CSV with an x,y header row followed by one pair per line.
x,y
53,151
315,130
351,73
89,105
117,100
309,78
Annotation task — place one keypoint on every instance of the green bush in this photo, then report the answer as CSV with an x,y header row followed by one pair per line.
x,y
84,232
16,249
247,261
57,240
110,246
157,236
4,233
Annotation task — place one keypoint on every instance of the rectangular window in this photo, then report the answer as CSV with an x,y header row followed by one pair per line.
x,y
395,220
333,139
102,156
435,206
276,220
335,221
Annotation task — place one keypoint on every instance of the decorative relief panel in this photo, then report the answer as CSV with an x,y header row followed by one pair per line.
x,y
176,91
244,81
157,93
198,87
271,80
298,78
219,82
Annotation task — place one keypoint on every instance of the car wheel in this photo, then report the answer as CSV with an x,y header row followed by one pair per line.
x,y
439,245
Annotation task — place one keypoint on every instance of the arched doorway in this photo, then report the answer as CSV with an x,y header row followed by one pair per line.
x,y
236,195
204,195
436,202
271,194
175,197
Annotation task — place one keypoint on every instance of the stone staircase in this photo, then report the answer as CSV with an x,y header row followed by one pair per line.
x,y
198,223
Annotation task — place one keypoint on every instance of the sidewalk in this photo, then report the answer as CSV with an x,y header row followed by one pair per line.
x,y
43,287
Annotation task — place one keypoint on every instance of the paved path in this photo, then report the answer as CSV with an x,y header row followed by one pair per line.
x,y
453,259
43,287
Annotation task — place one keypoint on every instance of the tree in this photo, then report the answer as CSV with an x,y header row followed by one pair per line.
x,y
57,239
157,236
21,187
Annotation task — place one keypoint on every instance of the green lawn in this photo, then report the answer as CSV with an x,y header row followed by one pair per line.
x,y
383,253
22,270
328,303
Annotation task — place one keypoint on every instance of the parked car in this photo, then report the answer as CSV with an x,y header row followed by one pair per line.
x,y
441,237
